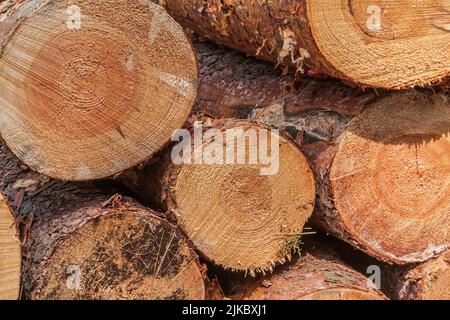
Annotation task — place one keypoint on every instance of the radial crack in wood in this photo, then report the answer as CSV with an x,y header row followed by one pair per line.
x,y
91,88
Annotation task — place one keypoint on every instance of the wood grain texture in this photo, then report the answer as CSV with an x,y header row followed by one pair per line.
x,y
10,254
367,43
386,189
91,88
113,252
382,176
236,216
81,241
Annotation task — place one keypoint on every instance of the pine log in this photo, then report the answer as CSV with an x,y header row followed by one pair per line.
x,y
91,88
428,281
235,215
10,256
318,275
232,85
82,242
384,187
368,43
382,178
122,251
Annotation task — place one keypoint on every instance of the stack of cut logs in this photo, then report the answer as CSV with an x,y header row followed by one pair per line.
x,y
93,95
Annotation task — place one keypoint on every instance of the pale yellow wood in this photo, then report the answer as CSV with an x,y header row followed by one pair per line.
x,y
10,255
240,218
384,43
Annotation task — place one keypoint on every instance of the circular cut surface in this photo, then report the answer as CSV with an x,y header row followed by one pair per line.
x,y
10,256
384,43
391,178
91,88
122,256
239,217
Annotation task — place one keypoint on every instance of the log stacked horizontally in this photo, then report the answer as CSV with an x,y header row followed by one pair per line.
x,y
87,90
236,215
319,275
386,189
138,161
369,43
81,241
382,175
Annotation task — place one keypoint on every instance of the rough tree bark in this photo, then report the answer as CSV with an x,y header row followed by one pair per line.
x,y
91,88
318,275
428,281
231,85
9,254
82,242
382,177
368,43
235,214
384,186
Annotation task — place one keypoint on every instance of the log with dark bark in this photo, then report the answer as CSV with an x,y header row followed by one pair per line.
x,y
231,85
384,186
82,242
10,255
425,281
118,251
382,178
236,214
91,88
318,275
368,43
